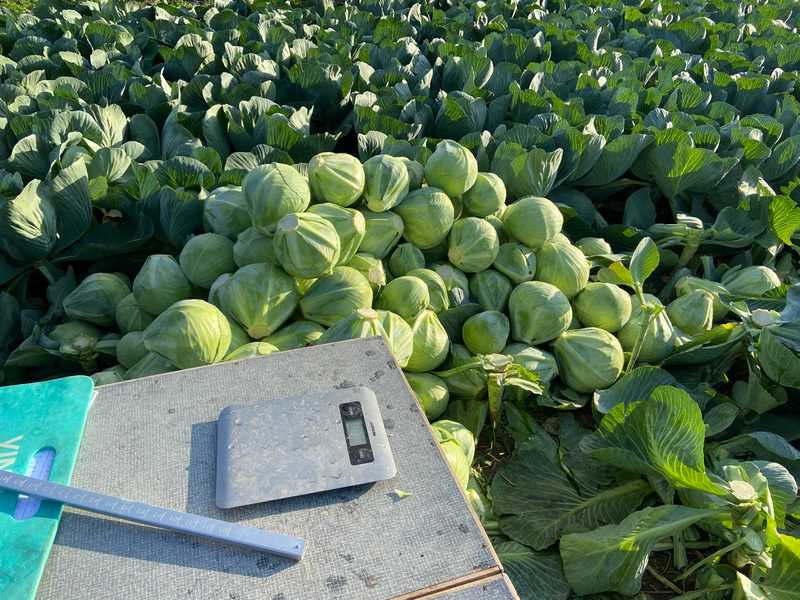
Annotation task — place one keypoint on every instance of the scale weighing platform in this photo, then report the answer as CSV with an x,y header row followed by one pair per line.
x,y
155,440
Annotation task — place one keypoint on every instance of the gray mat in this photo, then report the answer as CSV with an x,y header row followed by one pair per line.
x,y
153,440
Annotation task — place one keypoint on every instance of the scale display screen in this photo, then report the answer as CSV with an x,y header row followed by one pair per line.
x,y
355,431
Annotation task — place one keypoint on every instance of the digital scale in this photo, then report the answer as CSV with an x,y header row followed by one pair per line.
x,y
300,445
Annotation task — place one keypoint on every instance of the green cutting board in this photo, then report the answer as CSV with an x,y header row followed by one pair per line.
x,y
35,417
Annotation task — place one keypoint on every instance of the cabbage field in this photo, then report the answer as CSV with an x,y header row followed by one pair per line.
x,y
574,223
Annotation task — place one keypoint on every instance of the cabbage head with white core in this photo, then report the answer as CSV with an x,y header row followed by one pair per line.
x,y
387,182
260,297
370,267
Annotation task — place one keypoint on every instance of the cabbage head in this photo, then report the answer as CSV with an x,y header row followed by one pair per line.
x,y
430,343
296,334
406,257
451,168
337,178
659,338
130,316
474,245
455,280
190,333
384,231
437,290
486,333
336,295
366,322
406,296
750,281
490,289
692,313
160,283
205,257
469,384
131,349
534,359
428,215
603,305
589,359
591,246
349,225
515,261
431,393
688,283
458,445
387,182
370,267
251,350
532,221
564,266
96,299
486,197
306,245
539,312
225,212
416,173
272,192
252,246
260,297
